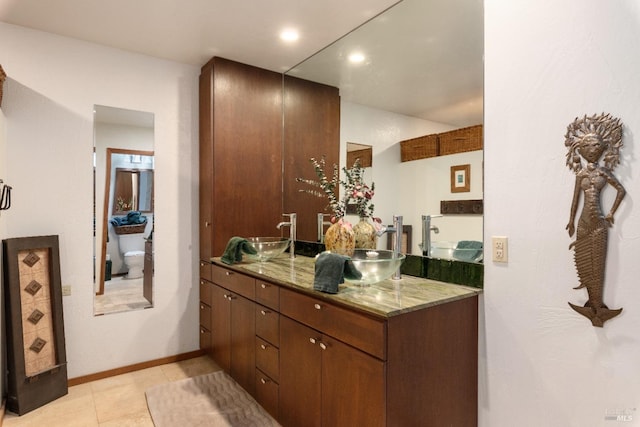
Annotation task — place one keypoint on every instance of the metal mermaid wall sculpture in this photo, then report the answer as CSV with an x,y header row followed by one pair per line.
x,y
592,139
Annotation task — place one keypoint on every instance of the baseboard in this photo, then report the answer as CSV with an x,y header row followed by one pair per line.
x,y
131,368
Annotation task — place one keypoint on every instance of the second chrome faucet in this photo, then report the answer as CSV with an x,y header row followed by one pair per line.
x,y
292,232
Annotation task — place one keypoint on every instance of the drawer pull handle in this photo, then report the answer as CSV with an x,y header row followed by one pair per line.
x,y
262,346
264,312
202,282
264,286
228,273
317,306
323,346
201,331
207,223
202,264
312,340
201,306
263,381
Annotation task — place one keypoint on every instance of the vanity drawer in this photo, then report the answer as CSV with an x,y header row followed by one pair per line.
x,y
205,315
267,392
267,324
355,329
205,270
205,292
268,294
267,358
205,338
236,282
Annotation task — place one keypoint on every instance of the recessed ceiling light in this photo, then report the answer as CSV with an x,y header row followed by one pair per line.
x,y
289,35
356,57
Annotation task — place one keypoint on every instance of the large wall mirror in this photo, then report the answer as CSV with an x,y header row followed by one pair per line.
x,y
414,70
123,209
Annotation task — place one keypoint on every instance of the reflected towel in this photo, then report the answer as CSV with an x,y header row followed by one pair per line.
x,y
331,270
132,218
235,247
464,251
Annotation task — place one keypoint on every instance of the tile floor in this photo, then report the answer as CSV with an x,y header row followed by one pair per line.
x,y
120,294
117,401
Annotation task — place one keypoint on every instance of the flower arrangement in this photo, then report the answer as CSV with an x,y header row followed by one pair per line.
x,y
356,191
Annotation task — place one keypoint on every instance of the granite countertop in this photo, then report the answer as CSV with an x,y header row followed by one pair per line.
x,y
387,298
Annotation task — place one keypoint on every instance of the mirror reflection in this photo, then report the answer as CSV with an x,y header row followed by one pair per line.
x,y
124,213
420,76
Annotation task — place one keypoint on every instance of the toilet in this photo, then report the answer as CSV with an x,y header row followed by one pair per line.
x,y
132,250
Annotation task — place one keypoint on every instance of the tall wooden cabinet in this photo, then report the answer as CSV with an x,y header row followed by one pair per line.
x,y
240,153
311,129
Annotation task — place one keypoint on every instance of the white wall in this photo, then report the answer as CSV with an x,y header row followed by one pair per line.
x,y
53,83
542,364
414,188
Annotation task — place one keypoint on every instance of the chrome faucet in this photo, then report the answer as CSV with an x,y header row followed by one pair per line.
x,y
321,224
396,243
292,232
427,228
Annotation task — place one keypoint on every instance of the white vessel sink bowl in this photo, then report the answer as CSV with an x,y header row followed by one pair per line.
x,y
451,251
267,247
374,265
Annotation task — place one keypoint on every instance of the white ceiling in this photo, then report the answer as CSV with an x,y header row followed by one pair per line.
x,y
193,31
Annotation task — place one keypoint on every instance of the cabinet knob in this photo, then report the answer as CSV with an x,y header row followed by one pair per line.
x,y
263,380
202,282
228,273
201,306
264,286
323,346
264,312
207,223
202,264
264,347
312,340
317,306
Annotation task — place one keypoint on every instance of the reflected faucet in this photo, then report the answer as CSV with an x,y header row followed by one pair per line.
x,y
292,232
427,228
321,224
396,243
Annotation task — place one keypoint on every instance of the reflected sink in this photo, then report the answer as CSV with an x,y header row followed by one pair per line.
x,y
374,265
267,247
469,251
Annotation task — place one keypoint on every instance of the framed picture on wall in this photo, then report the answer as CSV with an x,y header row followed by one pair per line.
x,y
461,179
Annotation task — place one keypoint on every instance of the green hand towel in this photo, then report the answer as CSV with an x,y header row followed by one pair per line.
x,y
330,271
235,247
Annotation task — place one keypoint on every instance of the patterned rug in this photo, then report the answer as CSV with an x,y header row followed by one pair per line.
x,y
208,400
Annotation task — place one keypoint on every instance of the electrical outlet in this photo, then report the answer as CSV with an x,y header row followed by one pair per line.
x,y
500,249
66,290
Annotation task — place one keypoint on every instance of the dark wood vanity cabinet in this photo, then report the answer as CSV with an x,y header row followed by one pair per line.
x,y
312,362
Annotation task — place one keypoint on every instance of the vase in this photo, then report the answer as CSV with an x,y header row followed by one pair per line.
x,y
365,234
340,238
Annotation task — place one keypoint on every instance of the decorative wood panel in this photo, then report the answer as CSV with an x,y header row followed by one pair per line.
x,y
451,207
36,359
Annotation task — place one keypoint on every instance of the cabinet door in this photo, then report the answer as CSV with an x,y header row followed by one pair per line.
x,y
300,364
243,336
221,327
352,386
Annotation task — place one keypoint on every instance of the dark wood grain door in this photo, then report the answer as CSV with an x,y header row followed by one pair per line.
x,y
243,335
221,327
300,366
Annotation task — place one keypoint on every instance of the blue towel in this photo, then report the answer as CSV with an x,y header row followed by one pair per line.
x,y
132,218
235,247
464,251
330,271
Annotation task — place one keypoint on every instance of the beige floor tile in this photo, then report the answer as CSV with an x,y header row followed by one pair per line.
x,y
74,409
117,401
